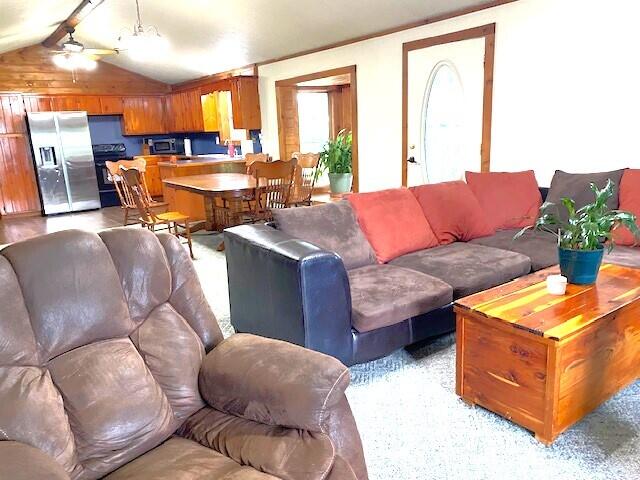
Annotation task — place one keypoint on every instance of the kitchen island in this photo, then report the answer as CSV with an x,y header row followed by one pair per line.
x,y
171,166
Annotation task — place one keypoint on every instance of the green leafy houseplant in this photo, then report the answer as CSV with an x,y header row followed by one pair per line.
x,y
336,158
581,239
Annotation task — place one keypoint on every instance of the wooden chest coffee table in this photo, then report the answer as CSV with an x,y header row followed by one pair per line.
x,y
545,361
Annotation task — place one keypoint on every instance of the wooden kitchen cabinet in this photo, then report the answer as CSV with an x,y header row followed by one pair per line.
x,y
18,188
184,111
143,115
111,105
210,112
245,103
83,103
37,103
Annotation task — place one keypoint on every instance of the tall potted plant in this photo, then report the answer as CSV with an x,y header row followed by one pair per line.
x,y
582,238
336,159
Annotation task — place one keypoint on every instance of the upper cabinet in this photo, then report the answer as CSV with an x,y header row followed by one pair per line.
x,y
111,105
184,111
92,104
245,103
143,115
87,103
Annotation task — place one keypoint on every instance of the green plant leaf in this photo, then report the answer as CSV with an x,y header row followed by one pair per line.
x,y
588,227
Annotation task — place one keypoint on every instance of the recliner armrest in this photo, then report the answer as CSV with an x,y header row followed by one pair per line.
x,y
272,382
285,288
19,461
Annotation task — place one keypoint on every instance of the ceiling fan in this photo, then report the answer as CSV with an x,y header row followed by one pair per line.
x,y
73,55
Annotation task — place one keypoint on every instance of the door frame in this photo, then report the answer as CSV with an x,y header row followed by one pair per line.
x,y
488,32
351,71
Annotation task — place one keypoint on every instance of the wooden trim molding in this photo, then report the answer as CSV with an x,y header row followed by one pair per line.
x,y
250,70
488,33
389,31
79,13
352,72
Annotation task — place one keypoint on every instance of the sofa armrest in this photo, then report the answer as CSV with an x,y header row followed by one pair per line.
x,y
19,461
285,288
272,382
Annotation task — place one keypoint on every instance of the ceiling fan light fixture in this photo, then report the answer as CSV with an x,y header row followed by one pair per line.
x,y
74,61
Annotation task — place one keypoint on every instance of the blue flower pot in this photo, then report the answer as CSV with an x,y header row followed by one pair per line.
x,y
580,266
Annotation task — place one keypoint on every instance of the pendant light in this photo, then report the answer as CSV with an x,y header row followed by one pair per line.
x,y
144,42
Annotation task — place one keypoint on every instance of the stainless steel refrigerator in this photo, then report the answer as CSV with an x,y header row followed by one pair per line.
x,y
64,161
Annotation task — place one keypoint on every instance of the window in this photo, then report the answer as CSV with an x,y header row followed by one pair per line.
x,y
313,118
442,125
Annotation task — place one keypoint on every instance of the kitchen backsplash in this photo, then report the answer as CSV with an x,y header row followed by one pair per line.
x,y
108,129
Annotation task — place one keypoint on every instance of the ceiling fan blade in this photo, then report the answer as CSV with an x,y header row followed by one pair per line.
x,y
100,51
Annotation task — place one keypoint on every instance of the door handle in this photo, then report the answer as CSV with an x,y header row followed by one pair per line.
x,y
411,160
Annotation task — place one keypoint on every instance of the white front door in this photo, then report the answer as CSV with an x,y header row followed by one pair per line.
x,y
444,114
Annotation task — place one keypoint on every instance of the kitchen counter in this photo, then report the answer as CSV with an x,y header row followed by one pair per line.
x,y
176,161
172,166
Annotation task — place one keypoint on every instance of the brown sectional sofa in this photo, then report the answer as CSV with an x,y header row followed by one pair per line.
x,y
112,366
311,278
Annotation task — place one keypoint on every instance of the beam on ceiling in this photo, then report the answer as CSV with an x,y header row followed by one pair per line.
x,y
79,13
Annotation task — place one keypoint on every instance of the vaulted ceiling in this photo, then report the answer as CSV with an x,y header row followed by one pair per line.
x,y
210,36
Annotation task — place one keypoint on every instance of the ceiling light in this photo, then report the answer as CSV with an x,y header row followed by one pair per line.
x,y
74,61
143,42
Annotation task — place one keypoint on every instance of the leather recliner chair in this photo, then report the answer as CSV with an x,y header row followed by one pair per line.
x,y
112,365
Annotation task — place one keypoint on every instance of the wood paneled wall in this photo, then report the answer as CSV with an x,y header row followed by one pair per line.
x,y
31,70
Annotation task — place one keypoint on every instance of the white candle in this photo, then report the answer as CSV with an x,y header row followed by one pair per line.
x,y
556,284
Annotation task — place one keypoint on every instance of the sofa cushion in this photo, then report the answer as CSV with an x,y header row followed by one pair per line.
x,y
629,202
332,226
625,256
393,222
509,199
467,267
382,295
576,186
182,459
453,212
540,247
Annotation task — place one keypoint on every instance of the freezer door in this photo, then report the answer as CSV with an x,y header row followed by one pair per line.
x,y
48,159
80,170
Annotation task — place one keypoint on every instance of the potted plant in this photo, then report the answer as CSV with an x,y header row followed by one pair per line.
x,y
582,238
336,159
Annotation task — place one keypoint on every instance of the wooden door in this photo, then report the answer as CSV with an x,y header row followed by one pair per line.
x,y
245,103
288,127
18,188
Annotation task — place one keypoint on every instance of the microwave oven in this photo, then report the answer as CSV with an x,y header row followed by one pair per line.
x,y
171,146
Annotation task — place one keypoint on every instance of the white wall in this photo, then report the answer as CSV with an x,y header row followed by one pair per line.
x,y
566,89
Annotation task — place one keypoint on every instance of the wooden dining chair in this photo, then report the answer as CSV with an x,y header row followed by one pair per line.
x,y
125,196
274,181
304,178
251,158
172,221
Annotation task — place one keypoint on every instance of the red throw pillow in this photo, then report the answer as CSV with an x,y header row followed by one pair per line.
x,y
629,202
452,211
509,199
393,222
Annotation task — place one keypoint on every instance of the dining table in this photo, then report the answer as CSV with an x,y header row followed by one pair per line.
x,y
223,194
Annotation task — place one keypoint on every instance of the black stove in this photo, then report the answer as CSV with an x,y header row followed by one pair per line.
x,y
108,152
